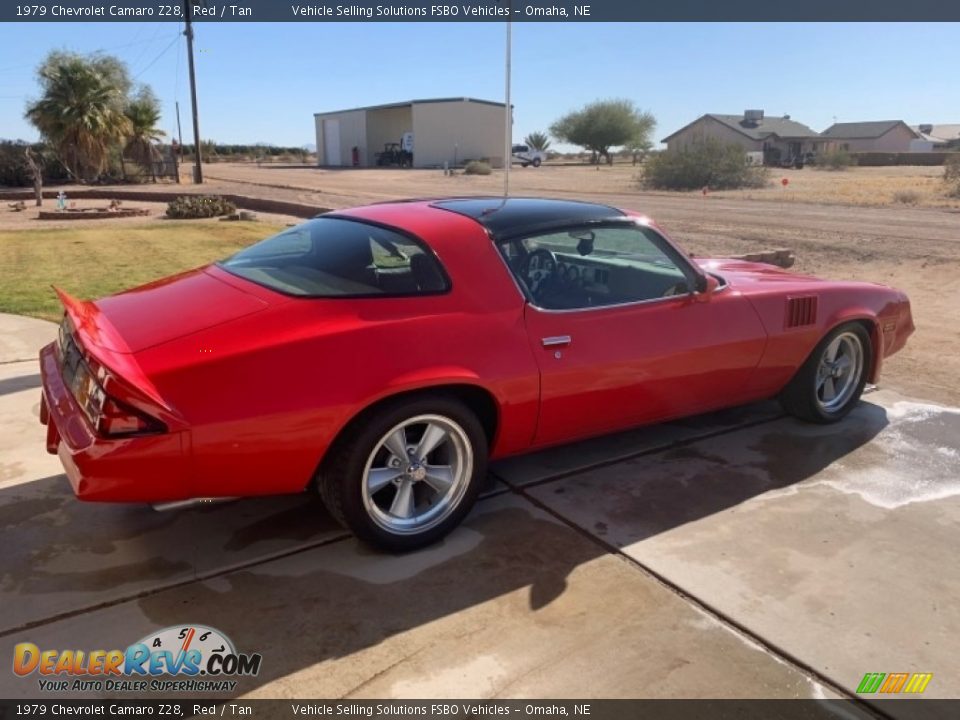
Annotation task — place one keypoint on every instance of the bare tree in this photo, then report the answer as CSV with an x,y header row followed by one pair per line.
x,y
35,168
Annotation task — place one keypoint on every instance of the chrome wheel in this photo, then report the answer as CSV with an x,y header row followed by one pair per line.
x,y
417,474
839,371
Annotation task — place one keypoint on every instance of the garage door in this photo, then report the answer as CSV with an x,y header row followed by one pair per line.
x,y
331,142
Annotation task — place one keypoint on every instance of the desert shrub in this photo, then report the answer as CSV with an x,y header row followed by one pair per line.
x,y
477,167
907,197
951,174
835,160
708,163
199,206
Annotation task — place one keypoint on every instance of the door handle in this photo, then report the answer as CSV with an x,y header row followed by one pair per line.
x,y
556,341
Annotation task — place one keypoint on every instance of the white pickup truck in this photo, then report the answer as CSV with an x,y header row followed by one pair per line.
x,y
524,155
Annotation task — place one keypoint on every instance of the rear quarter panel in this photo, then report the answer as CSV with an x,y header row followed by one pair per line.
x,y
266,394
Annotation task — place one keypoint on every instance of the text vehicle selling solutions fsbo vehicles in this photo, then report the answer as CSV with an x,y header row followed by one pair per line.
x,y
381,355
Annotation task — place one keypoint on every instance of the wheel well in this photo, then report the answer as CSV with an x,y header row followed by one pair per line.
x,y
867,324
479,400
872,328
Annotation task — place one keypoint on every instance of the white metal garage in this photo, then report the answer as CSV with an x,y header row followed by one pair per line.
x,y
444,130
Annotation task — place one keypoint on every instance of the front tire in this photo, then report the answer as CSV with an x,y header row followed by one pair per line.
x,y
408,474
829,384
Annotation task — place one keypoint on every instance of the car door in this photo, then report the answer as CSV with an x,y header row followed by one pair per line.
x,y
621,341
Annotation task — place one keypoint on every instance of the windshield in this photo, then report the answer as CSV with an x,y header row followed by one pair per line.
x,y
336,257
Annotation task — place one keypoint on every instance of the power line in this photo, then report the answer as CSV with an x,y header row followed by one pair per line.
x,y
160,55
15,68
143,51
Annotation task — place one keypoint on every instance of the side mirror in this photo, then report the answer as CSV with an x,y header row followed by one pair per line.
x,y
707,289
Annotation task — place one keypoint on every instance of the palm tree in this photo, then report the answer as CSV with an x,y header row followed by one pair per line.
x,y
537,141
80,114
143,114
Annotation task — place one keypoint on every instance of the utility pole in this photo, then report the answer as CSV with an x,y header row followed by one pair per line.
x,y
179,141
188,15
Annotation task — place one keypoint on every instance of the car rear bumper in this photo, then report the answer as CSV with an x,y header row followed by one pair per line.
x,y
151,468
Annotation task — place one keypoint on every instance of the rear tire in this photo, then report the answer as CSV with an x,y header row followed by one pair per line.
x,y
830,382
408,474
536,162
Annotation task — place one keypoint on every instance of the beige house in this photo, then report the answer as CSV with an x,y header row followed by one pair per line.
x,y
444,130
780,139
936,137
874,136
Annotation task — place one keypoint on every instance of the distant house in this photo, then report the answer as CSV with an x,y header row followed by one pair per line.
x,y
935,137
780,139
873,136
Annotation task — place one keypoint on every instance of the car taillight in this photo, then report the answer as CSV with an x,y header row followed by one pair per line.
x,y
106,402
107,415
115,419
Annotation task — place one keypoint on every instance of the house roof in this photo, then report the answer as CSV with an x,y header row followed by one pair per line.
x,y
782,127
940,133
861,130
409,103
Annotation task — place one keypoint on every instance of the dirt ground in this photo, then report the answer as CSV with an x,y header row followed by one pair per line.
x,y
868,186
916,249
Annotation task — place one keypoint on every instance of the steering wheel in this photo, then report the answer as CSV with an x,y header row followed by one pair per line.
x,y
538,267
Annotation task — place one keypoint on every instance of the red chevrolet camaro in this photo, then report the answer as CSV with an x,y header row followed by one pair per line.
x,y
382,354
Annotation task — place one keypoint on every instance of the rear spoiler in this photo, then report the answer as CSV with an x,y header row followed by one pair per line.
x,y
100,339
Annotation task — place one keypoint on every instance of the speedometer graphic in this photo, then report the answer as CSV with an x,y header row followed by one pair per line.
x,y
184,638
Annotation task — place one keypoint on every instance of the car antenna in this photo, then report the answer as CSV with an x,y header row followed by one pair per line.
x,y
508,118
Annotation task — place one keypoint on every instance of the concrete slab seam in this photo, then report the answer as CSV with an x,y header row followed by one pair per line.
x,y
197,577
775,650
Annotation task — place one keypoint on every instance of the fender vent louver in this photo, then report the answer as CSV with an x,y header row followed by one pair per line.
x,y
801,311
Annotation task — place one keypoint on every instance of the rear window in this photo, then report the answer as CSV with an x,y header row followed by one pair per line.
x,y
334,257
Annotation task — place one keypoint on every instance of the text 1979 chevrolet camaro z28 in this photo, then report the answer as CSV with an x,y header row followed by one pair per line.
x,y
383,354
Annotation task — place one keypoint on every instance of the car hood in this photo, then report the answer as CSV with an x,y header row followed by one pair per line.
x,y
171,308
744,272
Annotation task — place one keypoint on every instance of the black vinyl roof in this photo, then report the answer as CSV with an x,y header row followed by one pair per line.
x,y
519,216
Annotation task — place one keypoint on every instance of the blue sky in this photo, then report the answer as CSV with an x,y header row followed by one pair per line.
x,y
262,82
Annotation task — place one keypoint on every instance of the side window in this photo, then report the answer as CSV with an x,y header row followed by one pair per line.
x,y
289,243
335,257
593,267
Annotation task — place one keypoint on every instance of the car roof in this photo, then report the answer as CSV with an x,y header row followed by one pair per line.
x,y
511,217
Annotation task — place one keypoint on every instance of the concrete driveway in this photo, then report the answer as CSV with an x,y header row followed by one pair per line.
x,y
739,554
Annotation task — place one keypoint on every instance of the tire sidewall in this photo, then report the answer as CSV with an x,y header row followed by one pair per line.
x,y
361,444
813,362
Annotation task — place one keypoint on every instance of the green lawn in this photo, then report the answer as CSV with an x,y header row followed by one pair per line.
x,y
90,262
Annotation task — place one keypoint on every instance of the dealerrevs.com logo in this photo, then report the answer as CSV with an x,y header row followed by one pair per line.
x,y
183,658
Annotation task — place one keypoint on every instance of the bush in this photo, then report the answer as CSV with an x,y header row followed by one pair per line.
x,y
708,163
951,175
835,160
199,206
477,167
907,197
